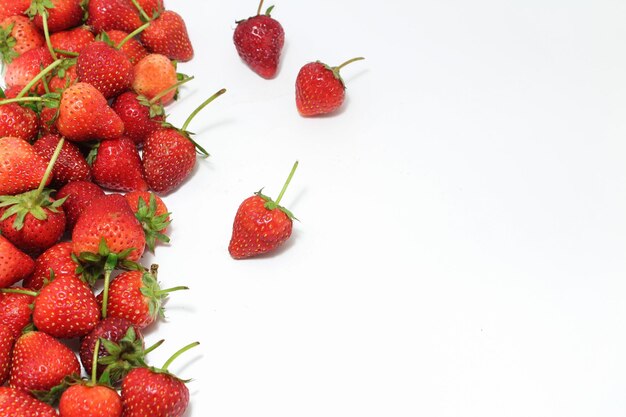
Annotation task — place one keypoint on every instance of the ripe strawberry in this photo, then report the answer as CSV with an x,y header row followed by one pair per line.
x,y
15,309
72,40
135,296
154,74
17,121
169,154
84,114
16,403
14,264
17,36
79,196
106,68
319,88
261,225
56,261
26,67
13,7
66,308
136,117
116,165
132,48
21,169
167,35
14,91
105,15
152,213
259,41
70,166
41,362
88,400
155,392
56,15
6,347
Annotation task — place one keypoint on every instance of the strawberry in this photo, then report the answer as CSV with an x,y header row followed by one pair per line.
x,y
71,164
105,15
259,41
79,196
135,296
66,308
154,74
13,7
7,338
169,154
155,392
27,66
106,68
89,400
72,40
56,15
17,121
17,36
152,213
64,76
167,35
55,262
14,264
132,48
84,114
13,92
41,362
136,117
261,225
16,403
15,309
21,169
116,165
320,89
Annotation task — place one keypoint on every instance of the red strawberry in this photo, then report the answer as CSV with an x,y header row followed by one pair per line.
x,y
79,196
84,400
14,264
41,362
73,40
151,211
57,15
26,67
261,225
132,48
15,310
155,392
56,261
319,88
136,117
167,35
105,15
6,346
169,154
13,7
154,74
17,121
66,308
70,166
109,218
106,68
16,403
259,41
21,169
17,36
117,166
13,92
135,296
47,119
84,114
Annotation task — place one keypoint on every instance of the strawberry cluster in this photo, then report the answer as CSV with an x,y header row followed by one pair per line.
x,y
85,152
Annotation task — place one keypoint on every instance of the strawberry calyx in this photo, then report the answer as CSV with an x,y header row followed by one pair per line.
x,y
53,395
122,356
7,44
93,266
151,222
337,69
154,104
152,292
273,205
164,368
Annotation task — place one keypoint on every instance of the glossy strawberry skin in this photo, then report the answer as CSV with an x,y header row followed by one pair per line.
x,y
14,264
126,300
21,169
64,14
106,15
168,159
16,311
90,401
18,121
118,166
57,260
25,67
73,40
147,393
17,403
258,230
133,49
13,7
71,164
154,74
167,35
259,41
318,90
25,33
106,68
79,195
41,362
136,117
7,338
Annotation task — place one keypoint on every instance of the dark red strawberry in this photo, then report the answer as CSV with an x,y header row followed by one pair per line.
x,y
15,309
155,392
261,225
21,169
169,154
40,362
136,117
320,89
167,35
105,15
79,196
16,403
71,164
17,121
13,7
151,211
17,36
56,15
259,41
26,67
55,262
106,68
72,40
6,347
116,165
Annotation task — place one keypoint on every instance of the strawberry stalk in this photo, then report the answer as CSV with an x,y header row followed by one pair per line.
x,y
282,192
163,93
338,68
94,366
177,354
46,33
258,12
143,13
49,168
153,347
109,266
184,131
67,53
38,77
18,291
132,35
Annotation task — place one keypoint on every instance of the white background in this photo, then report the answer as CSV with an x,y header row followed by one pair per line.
x,y
462,235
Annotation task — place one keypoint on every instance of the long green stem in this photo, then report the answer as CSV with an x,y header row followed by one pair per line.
x,y
132,35
21,100
202,106
350,61
17,291
143,13
94,363
110,264
66,53
46,32
49,168
153,347
282,192
170,89
38,77
177,354
169,290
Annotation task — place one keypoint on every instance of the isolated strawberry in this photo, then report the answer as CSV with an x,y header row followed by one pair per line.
x,y
152,213
21,169
26,67
56,15
136,115
116,165
13,7
41,362
84,115
259,41
169,154
155,392
17,36
66,308
154,74
78,195
7,338
320,89
54,262
105,15
132,48
17,121
261,225
167,35
106,68
72,40
15,309
71,164
17,403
